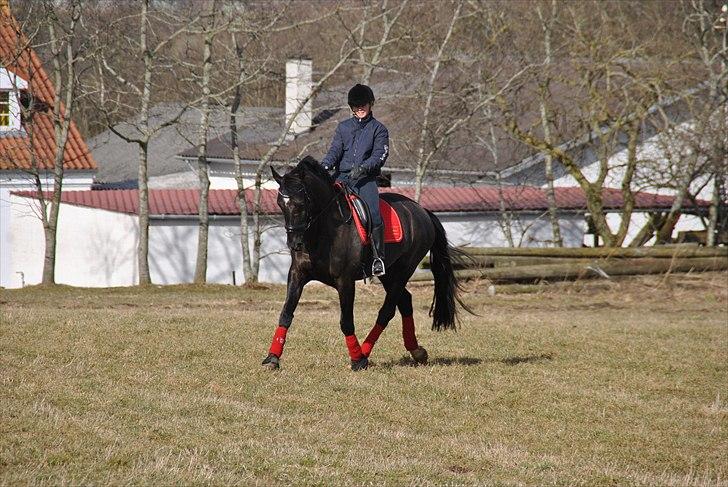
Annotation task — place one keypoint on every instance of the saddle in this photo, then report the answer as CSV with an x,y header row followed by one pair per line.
x,y
393,232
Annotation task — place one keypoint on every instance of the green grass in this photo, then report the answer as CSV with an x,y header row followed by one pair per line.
x,y
622,383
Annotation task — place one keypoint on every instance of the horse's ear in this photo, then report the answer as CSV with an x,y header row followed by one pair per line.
x,y
276,176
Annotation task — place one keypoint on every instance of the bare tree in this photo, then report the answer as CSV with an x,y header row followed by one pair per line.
x,y
423,156
211,24
612,90
547,25
371,54
135,91
708,29
693,147
47,108
62,45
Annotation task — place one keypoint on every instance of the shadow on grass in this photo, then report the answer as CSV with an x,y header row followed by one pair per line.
x,y
440,361
527,359
406,361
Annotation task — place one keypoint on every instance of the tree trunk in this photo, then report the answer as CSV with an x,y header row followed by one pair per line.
x,y
655,221
505,219
547,27
248,273
550,193
61,126
202,167
713,212
422,161
143,250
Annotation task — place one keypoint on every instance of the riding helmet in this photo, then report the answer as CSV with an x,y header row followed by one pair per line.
x,y
360,95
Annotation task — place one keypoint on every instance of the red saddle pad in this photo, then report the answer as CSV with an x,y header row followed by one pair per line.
x,y
392,226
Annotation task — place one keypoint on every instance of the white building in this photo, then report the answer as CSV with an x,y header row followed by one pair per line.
x,y
26,161
98,231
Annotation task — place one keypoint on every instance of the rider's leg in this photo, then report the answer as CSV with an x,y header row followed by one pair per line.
x,y
370,194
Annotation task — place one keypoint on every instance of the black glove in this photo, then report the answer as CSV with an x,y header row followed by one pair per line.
x,y
356,173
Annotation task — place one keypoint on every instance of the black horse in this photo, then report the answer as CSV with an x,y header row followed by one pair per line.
x,y
325,246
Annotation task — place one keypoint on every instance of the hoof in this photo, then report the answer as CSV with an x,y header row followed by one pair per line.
x,y
419,355
360,364
271,362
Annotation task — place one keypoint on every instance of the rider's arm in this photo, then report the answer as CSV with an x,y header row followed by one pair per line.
x,y
380,151
336,151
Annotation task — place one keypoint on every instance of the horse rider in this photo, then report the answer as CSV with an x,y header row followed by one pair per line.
x,y
358,151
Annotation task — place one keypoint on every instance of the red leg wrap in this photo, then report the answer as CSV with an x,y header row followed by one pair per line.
x,y
408,333
372,337
279,338
354,349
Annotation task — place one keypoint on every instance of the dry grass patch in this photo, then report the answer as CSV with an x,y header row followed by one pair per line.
x,y
590,383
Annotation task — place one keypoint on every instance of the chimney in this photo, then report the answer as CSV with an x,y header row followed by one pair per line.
x,y
298,87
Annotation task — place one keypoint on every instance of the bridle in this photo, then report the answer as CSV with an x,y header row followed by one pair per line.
x,y
304,226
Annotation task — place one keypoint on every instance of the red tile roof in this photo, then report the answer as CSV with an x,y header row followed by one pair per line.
x,y
17,152
440,199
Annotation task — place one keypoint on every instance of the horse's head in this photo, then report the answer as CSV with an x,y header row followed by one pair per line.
x,y
298,197
295,204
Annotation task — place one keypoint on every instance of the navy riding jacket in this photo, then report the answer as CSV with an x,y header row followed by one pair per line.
x,y
357,142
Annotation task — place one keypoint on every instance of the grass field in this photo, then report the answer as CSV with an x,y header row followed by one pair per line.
x,y
594,383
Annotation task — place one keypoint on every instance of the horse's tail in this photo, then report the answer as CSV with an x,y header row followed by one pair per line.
x,y
447,289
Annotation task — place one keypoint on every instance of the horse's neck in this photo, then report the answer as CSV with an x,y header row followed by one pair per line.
x,y
329,210
323,193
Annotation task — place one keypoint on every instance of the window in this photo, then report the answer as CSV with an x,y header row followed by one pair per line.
x,y
4,108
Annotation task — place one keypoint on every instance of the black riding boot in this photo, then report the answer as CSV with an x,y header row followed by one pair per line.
x,y
378,249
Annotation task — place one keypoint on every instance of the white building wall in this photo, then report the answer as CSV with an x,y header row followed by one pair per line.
x,y
97,248
19,181
94,248
527,230
173,251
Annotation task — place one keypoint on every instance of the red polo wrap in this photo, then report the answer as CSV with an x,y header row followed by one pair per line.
x,y
279,338
408,333
371,339
354,349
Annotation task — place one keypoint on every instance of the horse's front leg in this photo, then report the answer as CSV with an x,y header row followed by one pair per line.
x,y
347,292
293,294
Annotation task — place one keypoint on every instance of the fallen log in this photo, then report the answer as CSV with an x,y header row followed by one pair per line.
x,y
596,268
598,252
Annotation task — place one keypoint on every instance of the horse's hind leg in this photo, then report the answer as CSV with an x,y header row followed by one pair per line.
x,y
404,305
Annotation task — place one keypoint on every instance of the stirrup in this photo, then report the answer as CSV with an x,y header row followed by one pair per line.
x,y
378,270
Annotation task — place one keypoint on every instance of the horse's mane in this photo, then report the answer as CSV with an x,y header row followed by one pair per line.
x,y
313,166
308,165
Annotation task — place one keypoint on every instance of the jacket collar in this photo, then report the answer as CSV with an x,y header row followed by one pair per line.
x,y
364,120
